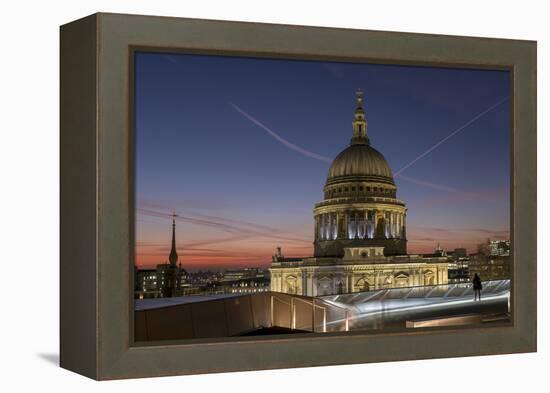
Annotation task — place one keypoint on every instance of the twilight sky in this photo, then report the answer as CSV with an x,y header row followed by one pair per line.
x,y
238,148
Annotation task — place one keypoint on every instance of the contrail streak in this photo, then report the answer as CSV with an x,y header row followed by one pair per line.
x,y
426,183
164,210
245,232
451,135
280,139
319,157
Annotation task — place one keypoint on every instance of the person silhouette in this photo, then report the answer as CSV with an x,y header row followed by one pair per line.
x,y
477,287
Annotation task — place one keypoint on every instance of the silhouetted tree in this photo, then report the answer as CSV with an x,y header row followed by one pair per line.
x,y
484,249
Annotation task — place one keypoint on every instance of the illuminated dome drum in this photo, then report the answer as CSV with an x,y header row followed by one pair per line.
x,y
360,208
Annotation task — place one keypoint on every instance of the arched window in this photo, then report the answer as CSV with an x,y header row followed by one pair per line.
x,y
291,285
362,285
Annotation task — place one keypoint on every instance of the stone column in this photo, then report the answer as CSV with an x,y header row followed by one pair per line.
x,y
316,227
345,223
339,224
357,225
336,230
378,230
399,225
367,224
360,224
352,225
396,225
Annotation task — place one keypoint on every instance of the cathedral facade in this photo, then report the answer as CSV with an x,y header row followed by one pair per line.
x,y
360,240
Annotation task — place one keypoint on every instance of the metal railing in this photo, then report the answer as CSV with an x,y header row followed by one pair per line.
x,y
443,291
340,312
290,309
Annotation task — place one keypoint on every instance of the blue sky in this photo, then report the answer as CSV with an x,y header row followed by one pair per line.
x,y
234,184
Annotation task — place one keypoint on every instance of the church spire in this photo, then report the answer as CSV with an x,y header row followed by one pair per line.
x,y
173,258
359,123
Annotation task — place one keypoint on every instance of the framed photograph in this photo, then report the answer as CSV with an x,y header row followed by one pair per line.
x,y
242,196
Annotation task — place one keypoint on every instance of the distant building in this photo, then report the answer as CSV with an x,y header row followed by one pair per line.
x,y
460,253
167,280
458,265
490,267
244,280
146,283
438,251
250,285
492,261
202,278
360,230
499,247
171,276
243,274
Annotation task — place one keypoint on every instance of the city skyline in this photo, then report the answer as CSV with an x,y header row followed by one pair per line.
x,y
240,148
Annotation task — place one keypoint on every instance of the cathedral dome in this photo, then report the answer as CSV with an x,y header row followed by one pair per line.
x,y
360,160
360,208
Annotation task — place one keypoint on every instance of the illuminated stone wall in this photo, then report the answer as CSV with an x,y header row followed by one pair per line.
x,y
361,269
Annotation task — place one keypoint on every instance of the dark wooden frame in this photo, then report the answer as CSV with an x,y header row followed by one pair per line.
x,y
97,195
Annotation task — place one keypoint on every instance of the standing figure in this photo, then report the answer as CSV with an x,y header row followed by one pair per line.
x,y
477,287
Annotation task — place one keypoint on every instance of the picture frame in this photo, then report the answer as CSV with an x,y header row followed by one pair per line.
x,y
97,198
